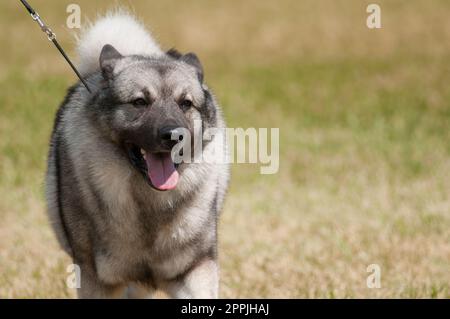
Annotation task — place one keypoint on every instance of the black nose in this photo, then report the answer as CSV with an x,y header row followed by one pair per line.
x,y
170,135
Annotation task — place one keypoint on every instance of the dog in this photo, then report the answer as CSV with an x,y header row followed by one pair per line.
x,y
132,219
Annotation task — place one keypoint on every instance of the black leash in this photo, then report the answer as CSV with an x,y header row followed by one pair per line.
x,y
52,37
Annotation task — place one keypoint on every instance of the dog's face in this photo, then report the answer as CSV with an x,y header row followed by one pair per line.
x,y
146,103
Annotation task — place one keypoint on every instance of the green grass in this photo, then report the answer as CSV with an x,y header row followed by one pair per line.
x,y
364,120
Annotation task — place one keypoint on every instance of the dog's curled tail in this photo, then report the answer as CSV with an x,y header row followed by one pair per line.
x,y
120,29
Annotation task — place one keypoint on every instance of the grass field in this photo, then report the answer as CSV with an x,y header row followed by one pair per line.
x,y
364,118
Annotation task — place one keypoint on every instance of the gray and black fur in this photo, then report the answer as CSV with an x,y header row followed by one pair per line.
x,y
128,237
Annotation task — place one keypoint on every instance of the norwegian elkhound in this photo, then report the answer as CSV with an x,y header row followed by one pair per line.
x,y
132,219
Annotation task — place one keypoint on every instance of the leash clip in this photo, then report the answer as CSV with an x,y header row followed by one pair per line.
x,y
50,34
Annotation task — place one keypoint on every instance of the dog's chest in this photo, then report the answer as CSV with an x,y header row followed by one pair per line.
x,y
142,241
126,261
165,252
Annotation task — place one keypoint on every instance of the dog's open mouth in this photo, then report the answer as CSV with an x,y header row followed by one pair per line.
x,y
158,168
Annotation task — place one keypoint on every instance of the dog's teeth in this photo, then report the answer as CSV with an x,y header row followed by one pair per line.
x,y
142,152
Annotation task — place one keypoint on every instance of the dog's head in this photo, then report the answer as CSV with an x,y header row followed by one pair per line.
x,y
146,103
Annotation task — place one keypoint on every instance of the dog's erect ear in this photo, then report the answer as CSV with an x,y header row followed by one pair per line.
x,y
189,58
174,53
192,59
108,59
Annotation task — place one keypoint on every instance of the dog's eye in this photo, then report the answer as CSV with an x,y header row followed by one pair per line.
x,y
139,102
186,103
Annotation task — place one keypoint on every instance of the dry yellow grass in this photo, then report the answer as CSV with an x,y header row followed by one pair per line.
x,y
364,119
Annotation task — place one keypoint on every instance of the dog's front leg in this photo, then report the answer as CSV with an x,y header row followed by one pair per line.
x,y
91,287
200,282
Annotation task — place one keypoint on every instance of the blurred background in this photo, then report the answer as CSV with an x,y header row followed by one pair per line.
x,y
364,118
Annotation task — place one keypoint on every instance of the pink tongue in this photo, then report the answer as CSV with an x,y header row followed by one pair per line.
x,y
161,171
